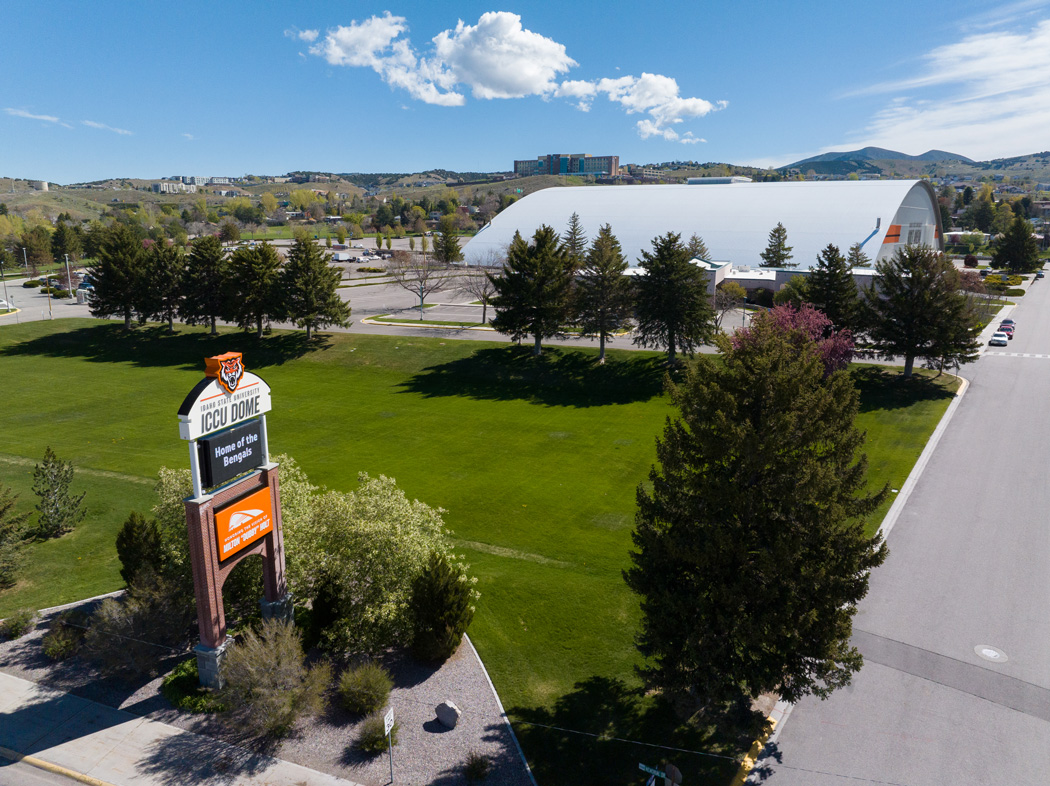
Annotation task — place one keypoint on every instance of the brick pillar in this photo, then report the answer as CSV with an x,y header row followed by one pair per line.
x,y
204,558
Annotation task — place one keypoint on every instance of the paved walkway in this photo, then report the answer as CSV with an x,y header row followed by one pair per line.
x,y
100,745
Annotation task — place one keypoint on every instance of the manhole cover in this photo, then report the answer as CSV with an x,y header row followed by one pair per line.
x,y
993,654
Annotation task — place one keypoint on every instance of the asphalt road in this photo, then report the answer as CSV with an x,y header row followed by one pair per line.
x,y
19,774
956,627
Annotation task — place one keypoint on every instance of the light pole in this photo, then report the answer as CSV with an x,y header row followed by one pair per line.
x,y
69,278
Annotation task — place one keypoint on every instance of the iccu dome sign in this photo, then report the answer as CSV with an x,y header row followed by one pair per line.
x,y
224,420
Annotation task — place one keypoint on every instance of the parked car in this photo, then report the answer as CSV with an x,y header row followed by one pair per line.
x,y
983,272
4,305
998,340
1007,321
1040,274
1007,329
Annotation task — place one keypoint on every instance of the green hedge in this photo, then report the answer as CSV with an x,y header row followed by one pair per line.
x,y
1013,292
30,284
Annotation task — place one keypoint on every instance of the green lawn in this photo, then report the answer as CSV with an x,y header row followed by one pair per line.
x,y
536,463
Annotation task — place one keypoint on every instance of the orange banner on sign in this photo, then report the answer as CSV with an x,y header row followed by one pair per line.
x,y
244,522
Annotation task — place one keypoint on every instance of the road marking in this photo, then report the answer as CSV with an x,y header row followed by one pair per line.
x,y
1015,355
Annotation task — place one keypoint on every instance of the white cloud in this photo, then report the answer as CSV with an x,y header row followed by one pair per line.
x,y
499,58
190,137
30,116
986,95
104,127
308,35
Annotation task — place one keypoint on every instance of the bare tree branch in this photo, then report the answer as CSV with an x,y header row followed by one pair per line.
x,y
421,275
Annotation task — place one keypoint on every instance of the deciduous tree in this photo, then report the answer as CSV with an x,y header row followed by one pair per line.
x,y
422,275
750,554
672,305
729,296
604,299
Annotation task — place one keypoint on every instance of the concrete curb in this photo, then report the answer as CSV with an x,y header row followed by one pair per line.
x,y
40,764
371,321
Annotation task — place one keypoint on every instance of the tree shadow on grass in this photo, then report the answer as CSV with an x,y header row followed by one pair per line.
x,y
622,728
153,345
885,388
558,378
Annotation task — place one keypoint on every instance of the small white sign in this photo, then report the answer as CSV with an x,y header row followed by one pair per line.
x,y
388,722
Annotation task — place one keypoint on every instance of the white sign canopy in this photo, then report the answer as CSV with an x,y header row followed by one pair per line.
x,y
209,407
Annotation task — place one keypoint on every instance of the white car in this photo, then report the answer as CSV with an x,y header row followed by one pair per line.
x,y
998,340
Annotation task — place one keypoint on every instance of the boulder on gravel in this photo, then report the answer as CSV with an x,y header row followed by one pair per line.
x,y
448,713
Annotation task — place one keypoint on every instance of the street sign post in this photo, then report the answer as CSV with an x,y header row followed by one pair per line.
x,y
670,774
388,725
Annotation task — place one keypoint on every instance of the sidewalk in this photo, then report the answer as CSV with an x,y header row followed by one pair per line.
x,y
108,746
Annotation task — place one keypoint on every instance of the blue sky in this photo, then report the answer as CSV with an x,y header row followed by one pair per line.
x,y
94,90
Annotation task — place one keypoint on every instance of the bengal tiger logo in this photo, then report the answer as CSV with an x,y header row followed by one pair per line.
x,y
230,373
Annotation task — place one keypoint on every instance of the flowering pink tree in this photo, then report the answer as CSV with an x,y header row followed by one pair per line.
x,y
807,326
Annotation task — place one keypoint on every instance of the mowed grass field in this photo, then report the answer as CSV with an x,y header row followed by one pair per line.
x,y
536,463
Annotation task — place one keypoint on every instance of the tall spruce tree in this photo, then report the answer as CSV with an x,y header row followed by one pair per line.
x,y
778,252
917,309
604,300
856,257
58,511
831,289
205,283
254,293
118,274
532,291
446,246
311,288
697,248
672,305
1017,250
161,298
575,241
750,554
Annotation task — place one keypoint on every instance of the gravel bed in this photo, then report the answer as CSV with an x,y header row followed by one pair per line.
x,y
426,752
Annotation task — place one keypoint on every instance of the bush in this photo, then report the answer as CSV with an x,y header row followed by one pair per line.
x,y
139,546
370,737
761,297
365,689
370,270
31,284
476,767
442,608
970,261
1013,292
268,685
64,637
60,294
182,688
134,634
18,624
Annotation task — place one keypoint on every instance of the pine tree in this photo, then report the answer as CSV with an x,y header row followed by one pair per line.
x,y
12,536
575,241
916,309
442,607
750,547
1018,250
604,299
446,247
311,288
856,257
161,299
58,510
532,291
778,252
254,278
697,248
831,289
204,284
672,304
118,274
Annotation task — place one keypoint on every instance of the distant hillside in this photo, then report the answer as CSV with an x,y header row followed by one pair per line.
x,y
878,154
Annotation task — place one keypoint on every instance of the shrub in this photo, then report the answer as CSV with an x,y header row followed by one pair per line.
x,y
1013,292
58,511
18,624
370,270
442,608
476,767
31,284
370,737
268,686
970,261
12,536
365,689
182,688
64,637
139,546
133,634
60,293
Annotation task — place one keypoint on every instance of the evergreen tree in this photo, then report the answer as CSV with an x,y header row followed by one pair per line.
x,y
778,252
161,298
831,289
254,278
118,274
532,291
12,536
750,547
603,293
58,510
66,241
697,248
446,247
311,288
672,304
1017,250
856,257
916,309
204,284
575,242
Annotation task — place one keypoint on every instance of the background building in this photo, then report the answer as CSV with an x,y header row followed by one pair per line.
x,y
568,164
